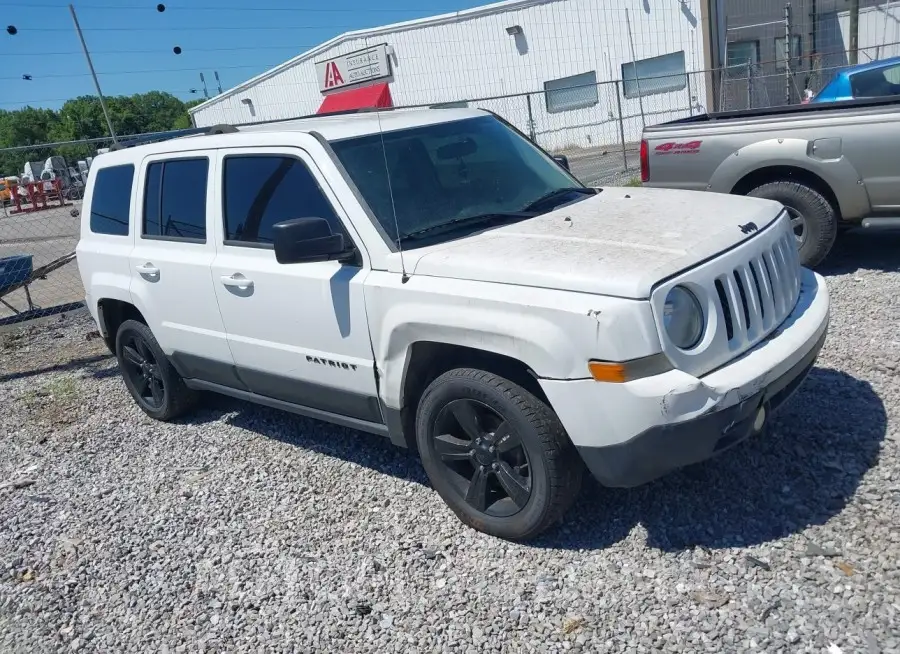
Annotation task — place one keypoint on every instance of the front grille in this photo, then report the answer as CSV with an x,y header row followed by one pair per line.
x,y
758,294
747,293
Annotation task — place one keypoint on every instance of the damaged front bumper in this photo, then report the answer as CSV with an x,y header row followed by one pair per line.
x,y
665,448
630,434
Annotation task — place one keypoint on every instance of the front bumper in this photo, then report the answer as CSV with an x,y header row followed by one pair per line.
x,y
665,448
630,434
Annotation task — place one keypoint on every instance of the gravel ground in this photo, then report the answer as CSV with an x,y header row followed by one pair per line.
x,y
245,529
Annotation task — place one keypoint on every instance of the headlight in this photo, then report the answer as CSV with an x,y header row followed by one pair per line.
x,y
683,318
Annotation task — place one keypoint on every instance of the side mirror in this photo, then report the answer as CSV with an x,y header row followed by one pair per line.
x,y
562,160
305,240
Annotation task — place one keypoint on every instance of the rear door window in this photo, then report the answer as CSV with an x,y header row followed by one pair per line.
x,y
175,200
878,83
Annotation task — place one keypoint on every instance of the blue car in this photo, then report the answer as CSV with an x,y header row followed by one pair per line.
x,y
876,79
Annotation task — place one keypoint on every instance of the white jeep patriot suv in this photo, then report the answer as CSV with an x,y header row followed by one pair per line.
x,y
433,276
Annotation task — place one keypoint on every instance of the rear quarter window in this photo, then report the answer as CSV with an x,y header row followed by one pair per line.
x,y
111,200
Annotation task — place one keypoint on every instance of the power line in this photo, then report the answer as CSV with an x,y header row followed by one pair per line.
x,y
149,7
207,28
27,103
142,72
299,48
35,103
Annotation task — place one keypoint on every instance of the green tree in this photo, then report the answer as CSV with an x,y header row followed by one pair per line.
x,y
82,118
23,127
184,120
159,111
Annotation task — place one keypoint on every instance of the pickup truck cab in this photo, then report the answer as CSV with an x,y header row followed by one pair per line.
x,y
434,277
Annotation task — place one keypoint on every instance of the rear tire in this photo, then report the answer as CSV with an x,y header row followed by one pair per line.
x,y
496,454
155,385
810,210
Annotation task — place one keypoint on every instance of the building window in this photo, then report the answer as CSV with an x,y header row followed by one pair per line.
x,y
796,52
111,200
264,190
175,200
655,75
568,93
742,53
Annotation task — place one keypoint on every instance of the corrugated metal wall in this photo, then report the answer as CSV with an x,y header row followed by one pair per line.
x,y
472,57
879,31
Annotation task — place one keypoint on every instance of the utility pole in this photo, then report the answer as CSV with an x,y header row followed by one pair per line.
x,y
205,90
87,55
218,81
637,78
854,32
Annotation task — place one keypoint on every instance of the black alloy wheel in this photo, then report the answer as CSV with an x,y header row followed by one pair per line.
x,y
485,459
143,372
496,453
151,379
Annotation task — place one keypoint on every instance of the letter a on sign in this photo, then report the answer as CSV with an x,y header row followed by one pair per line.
x,y
332,75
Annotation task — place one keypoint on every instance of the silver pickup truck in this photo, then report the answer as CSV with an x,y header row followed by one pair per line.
x,y
832,165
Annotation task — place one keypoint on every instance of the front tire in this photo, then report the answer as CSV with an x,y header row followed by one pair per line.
x,y
152,381
813,218
496,454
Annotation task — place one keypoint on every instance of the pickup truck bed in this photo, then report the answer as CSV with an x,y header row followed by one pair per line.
x,y
831,165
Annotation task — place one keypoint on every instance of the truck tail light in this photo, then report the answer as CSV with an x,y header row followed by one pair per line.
x,y
645,162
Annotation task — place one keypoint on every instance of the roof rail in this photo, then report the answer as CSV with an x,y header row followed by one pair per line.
x,y
221,129
342,112
156,137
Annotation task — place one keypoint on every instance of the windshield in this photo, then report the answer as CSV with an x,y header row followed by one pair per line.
x,y
451,172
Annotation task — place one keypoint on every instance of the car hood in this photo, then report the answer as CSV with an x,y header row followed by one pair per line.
x,y
620,242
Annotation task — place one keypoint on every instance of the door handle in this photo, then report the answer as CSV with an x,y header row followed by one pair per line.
x,y
147,269
237,280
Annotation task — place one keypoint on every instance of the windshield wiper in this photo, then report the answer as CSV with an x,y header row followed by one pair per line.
x,y
469,221
558,192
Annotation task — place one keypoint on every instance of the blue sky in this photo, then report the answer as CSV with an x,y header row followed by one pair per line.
x,y
131,42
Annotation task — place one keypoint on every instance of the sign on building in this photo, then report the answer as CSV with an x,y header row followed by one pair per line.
x,y
354,68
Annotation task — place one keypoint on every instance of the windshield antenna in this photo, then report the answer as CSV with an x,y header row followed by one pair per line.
x,y
387,171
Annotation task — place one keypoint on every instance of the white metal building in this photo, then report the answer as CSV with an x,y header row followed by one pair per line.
x,y
541,64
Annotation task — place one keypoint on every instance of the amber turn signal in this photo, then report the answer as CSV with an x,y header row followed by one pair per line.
x,y
604,371
619,372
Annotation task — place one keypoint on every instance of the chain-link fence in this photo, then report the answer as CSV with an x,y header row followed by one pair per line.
x,y
40,192
37,243
598,126
747,85
775,52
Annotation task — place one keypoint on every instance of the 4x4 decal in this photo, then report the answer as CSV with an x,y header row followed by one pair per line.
x,y
674,147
